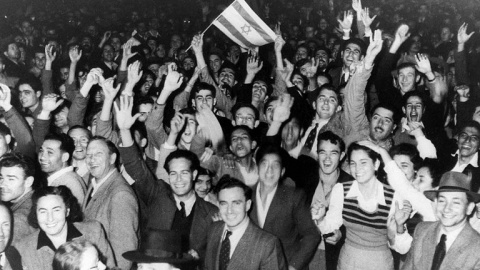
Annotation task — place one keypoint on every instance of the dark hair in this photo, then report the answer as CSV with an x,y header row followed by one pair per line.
x,y
406,65
360,43
227,182
409,150
203,86
240,105
332,88
386,106
9,160
304,78
356,147
271,149
332,138
229,65
471,123
89,133
75,214
267,103
414,93
203,171
325,49
241,127
190,156
4,130
68,256
433,167
66,143
32,81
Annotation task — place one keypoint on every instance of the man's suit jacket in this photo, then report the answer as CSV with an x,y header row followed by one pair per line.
x,y
463,254
474,170
115,205
336,74
13,259
289,219
256,249
161,205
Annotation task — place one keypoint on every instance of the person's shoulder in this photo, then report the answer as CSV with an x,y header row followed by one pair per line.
x,y
88,226
425,225
28,242
208,207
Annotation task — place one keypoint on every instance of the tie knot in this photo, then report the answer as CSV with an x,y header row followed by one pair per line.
x,y
182,205
229,233
443,238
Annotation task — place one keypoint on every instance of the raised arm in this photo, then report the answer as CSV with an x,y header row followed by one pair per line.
x,y
50,56
75,54
437,92
461,73
104,124
176,125
41,125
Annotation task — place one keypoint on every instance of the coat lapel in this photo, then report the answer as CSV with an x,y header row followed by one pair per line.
x,y
244,245
274,209
461,243
425,257
253,211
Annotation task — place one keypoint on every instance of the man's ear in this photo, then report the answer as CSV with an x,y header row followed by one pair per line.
x,y
395,82
403,110
256,123
39,94
249,204
470,208
194,174
254,144
143,142
113,157
339,108
8,139
29,181
314,104
65,157
193,104
342,155
394,128
417,78
362,57
377,164
234,123
214,102
283,172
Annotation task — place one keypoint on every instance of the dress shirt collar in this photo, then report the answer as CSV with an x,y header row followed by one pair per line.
x,y
355,192
262,212
237,234
3,259
96,184
189,203
473,161
59,173
451,236
44,241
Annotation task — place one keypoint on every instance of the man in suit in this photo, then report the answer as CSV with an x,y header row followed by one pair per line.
x,y
13,259
353,51
450,242
173,206
282,210
110,200
236,243
466,158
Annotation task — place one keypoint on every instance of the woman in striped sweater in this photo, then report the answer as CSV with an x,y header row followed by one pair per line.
x,y
364,206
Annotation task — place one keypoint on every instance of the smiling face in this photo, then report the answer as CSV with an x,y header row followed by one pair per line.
x,y
203,185
291,133
204,98
99,159
245,116
215,62
259,91
14,183
40,60
234,206
52,214
61,118
329,156
423,181
326,104
301,53
362,167
406,79
322,57
51,157
381,124
298,81
28,96
190,129
181,177
414,109
241,143
352,53
80,138
468,141
452,209
227,76
5,227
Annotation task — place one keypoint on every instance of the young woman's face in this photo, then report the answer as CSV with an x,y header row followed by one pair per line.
x,y
52,214
423,181
362,167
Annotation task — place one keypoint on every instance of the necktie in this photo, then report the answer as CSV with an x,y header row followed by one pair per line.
x,y
224,258
89,198
311,138
440,251
182,205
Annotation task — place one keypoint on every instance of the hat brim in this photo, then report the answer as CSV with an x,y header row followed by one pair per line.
x,y
137,256
432,194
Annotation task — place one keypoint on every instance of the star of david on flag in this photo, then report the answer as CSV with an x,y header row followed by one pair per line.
x,y
242,25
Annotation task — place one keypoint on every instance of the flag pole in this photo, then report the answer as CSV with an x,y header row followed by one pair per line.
x,y
189,47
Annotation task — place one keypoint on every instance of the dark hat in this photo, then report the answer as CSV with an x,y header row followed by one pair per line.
x,y
160,246
454,182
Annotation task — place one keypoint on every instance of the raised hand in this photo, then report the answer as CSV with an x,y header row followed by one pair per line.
x,y
134,73
281,112
197,44
5,97
109,91
346,23
312,70
177,123
287,71
207,154
365,15
374,48
127,50
401,215
125,120
402,34
423,64
415,129
279,43
107,35
49,53
253,66
357,6
75,54
462,35
51,102
95,76
174,78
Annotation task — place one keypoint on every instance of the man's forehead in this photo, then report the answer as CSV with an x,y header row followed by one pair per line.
x,y
228,70
353,47
327,93
407,70
471,131
383,112
328,145
203,93
321,52
414,100
245,110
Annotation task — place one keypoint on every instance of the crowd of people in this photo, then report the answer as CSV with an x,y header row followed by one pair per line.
x,y
130,138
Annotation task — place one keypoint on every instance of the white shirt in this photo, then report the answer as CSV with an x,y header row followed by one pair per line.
x,y
58,173
451,236
3,260
188,203
237,234
251,178
96,184
459,168
262,212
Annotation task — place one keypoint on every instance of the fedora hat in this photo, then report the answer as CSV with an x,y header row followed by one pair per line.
x,y
454,182
160,246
